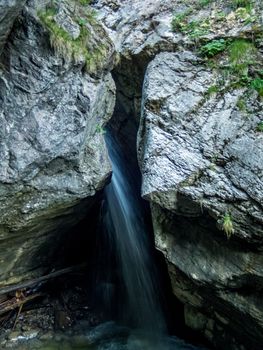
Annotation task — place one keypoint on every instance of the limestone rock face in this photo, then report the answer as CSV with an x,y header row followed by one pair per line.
x,y
210,153
202,158
52,149
9,10
139,30
139,26
200,154
199,146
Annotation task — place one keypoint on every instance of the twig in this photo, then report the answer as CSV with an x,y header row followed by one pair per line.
x,y
35,281
18,314
14,303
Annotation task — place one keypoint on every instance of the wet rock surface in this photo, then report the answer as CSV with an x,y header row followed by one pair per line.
x,y
52,147
9,10
200,155
210,153
211,158
199,147
61,312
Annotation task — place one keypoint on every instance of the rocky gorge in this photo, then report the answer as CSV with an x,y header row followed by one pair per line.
x,y
181,79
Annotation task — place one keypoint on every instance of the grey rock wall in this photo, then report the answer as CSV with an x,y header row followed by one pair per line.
x,y
200,154
52,149
9,10
211,154
201,158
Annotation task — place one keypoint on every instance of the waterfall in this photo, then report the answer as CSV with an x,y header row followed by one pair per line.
x,y
126,230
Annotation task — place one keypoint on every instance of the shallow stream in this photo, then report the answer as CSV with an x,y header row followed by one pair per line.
x,y
107,336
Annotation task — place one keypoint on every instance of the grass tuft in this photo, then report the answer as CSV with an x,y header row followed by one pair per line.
x,y
77,50
228,225
242,53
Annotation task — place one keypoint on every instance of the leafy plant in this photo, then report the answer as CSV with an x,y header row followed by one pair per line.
x,y
82,21
195,29
213,47
179,20
100,130
228,225
220,15
260,127
257,84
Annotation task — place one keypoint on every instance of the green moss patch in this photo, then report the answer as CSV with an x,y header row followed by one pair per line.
x,y
88,48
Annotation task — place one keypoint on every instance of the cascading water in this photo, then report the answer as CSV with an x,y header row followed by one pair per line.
x,y
125,226
126,237
132,274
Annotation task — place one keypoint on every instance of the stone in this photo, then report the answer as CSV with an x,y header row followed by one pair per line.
x,y
210,155
200,158
9,10
52,151
211,161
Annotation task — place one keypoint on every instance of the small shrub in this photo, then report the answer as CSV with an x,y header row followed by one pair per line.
x,y
228,225
220,15
257,84
80,49
195,29
100,130
179,20
259,127
213,47
82,21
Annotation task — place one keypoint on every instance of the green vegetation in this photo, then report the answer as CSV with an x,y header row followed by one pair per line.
x,y
62,42
260,127
220,16
228,225
238,59
257,84
240,67
242,53
100,130
81,49
203,3
241,104
213,47
179,20
84,2
212,90
193,29
241,3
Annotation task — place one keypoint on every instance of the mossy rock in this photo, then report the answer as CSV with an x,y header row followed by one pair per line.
x,y
76,35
